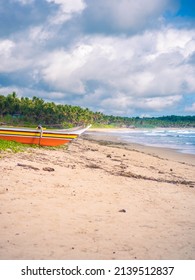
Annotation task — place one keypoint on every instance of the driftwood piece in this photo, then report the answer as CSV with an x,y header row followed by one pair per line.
x,y
50,169
26,166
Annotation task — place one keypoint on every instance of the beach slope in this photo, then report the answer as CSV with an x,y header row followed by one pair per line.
x,y
96,200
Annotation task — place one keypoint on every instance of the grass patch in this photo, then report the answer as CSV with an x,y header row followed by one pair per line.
x,y
11,146
15,147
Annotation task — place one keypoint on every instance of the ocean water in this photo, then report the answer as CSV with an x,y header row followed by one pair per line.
x,y
182,140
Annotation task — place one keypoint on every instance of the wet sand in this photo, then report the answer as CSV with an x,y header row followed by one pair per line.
x,y
97,200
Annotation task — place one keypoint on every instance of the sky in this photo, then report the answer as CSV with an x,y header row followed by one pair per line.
x,y
119,57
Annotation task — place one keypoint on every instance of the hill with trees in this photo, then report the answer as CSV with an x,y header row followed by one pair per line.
x,y
26,111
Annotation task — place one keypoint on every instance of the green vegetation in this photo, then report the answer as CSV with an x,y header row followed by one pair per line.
x,y
11,146
31,112
16,147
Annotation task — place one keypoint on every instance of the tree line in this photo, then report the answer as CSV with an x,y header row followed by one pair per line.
x,y
33,111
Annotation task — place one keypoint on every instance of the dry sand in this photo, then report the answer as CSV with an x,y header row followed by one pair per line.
x,y
97,200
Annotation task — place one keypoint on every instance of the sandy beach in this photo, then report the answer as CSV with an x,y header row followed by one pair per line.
x,y
97,200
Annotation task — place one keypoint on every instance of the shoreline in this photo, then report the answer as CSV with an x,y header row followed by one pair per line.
x,y
97,200
141,128
163,152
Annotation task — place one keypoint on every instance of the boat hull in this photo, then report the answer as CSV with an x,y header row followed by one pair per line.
x,y
36,141
39,136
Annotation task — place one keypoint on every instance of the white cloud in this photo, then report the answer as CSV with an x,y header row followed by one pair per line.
x,y
127,65
6,47
130,13
191,108
40,34
174,40
151,70
128,104
64,70
12,57
127,15
67,8
159,103
141,71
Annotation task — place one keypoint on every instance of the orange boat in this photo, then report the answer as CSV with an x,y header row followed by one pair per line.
x,y
40,136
